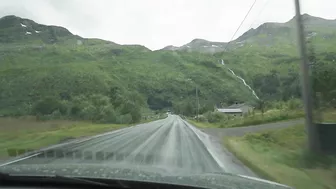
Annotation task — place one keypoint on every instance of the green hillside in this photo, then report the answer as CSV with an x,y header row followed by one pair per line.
x,y
71,67
51,72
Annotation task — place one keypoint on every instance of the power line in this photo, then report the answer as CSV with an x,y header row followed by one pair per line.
x,y
262,9
240,24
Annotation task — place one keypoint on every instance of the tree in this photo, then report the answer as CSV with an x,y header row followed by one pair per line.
x,y
136,114
268,85
261,106
311,55
324,82
290,86
186,108
189,109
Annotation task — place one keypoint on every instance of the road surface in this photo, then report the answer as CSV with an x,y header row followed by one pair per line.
x,y
170,143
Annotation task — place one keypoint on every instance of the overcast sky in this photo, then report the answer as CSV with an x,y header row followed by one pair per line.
x,y
158,23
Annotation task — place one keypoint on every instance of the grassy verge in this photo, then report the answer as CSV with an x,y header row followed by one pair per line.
x,y
269,117
328,116
202,124
154,117
27,133
225,121
279,156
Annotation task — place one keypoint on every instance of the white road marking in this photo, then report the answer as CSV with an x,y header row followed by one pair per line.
x,y
67,143
219,162
17,160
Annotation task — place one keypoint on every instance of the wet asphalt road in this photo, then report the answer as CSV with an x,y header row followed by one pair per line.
x,y
171,144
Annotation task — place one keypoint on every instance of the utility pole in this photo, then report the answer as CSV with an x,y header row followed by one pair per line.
x,y
313,142
197,101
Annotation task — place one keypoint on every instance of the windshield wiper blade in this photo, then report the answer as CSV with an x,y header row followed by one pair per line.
x,y
79,180
88,181
3,175
59,178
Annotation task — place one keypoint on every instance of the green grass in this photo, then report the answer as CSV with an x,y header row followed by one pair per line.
x,y
280,156
27,133
329,116
274,116
202,124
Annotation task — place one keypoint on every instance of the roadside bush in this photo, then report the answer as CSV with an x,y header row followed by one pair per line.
x,y
136,115
291,104
109,116
48,106
271,116
294,104
214,117
89,113
125,119
54,115
202,118
96,108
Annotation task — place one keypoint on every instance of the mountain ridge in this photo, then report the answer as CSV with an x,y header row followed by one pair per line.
x,y
312,24
195,45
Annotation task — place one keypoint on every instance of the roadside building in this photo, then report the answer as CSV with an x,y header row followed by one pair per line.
x,y
245,108
237,109
231,111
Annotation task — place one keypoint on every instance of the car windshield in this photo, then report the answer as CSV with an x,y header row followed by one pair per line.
x,y
205,93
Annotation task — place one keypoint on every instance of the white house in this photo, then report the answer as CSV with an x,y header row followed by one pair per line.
x,y
245,108
231,111
236,109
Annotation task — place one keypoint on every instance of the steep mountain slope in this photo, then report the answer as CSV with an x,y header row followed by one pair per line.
x,y
280,35
267,57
